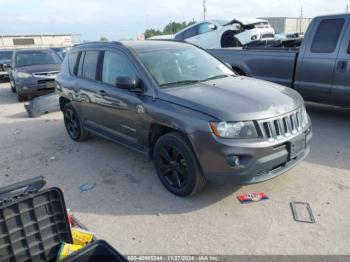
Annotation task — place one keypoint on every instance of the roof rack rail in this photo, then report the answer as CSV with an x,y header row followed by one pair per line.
x,y
99,42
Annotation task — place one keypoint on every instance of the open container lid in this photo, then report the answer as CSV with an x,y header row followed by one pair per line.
x,y
33,223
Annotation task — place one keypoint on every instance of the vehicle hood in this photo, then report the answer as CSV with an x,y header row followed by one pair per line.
x,y
39,68
249,21
235,98
5,61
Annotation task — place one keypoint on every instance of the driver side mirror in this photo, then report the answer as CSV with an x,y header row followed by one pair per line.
x,y
131,83
212,27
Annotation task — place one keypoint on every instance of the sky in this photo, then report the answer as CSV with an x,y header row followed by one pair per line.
x,y
125,19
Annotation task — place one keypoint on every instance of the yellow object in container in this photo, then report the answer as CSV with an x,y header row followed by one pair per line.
x,y
67,249
81,237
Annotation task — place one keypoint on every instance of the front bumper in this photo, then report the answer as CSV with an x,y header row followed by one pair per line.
x,y
35,87
4,74
259,161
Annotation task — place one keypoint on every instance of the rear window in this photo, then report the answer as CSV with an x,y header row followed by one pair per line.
x,y
90,65
327,35
179,37
191,32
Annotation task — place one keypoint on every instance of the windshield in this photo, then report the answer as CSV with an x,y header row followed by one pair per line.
x,y
36,58
5,55
173,67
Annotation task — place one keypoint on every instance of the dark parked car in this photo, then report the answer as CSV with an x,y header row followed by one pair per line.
x,y
185,109
33,71
5,59
319,70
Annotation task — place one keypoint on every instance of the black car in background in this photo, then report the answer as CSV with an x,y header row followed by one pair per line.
x,y
33,72
5,59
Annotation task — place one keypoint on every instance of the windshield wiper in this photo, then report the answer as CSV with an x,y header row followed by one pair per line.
x,y
182,82
214,77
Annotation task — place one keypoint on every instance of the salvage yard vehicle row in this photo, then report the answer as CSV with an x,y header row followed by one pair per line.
x,y
319,70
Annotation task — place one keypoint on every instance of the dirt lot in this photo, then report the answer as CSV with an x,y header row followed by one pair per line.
x,y
130,208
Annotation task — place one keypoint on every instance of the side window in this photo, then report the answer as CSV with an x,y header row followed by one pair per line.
x,y
115,64
204,28
90,65
191,32
327,35
72,63
179,37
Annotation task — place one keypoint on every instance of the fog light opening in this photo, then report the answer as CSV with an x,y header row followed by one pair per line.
x,y
235,161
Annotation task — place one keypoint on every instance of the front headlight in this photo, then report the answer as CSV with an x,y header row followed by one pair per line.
x,y
23,75
244,129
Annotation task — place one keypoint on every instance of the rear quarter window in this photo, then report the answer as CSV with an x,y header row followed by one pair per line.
x,y
72,63
327,36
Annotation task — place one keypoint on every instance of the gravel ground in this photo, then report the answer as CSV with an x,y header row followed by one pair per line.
x,y
130,209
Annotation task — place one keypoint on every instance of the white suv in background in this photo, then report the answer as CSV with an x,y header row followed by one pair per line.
x,y
220,33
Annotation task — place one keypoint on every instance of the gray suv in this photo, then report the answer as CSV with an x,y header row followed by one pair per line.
x,y
184,109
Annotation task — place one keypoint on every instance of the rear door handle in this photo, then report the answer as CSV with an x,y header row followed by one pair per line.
x,y
341,66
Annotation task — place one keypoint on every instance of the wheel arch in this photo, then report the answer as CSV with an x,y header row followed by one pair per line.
x,y
63,101
158,130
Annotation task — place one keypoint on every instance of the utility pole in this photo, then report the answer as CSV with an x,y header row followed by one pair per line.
x,y
204,9
347,8
301,19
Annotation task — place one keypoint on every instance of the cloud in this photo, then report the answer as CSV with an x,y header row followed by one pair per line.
x,y
127,18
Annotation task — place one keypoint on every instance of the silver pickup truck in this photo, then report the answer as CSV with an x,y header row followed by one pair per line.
x,y
318,70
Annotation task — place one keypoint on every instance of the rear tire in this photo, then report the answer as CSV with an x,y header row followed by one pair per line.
x,y
177,166
73,123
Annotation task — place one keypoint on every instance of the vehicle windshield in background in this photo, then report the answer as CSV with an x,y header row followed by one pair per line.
x,y
36,58
5,55
60,51
173,67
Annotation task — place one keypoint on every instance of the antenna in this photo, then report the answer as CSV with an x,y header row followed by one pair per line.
x,y
204,9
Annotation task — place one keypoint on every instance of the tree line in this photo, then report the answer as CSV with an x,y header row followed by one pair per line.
x,y
169,29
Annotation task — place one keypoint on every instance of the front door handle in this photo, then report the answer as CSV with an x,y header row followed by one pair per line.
x,y
102,92
341,66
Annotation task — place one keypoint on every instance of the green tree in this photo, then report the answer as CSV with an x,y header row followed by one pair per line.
x,y
152,32
169,29
103,38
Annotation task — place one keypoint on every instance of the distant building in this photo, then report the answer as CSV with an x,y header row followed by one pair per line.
x,y
30,41
288,24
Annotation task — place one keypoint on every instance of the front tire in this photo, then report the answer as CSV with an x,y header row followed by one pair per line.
x,y
177,166
13,86
21,98
73,123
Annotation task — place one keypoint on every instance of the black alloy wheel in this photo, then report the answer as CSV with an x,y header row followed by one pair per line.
x,y
177,166
73,124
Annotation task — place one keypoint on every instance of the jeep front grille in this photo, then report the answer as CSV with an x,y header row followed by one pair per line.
x,y
285,126
51,74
